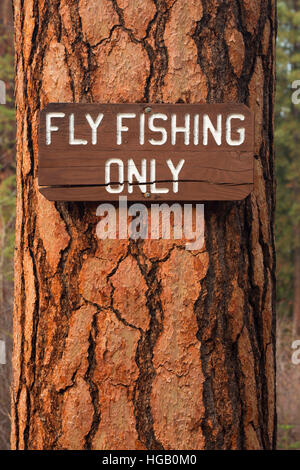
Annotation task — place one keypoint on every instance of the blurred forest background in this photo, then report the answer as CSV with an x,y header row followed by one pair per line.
x,y
7,212
287,219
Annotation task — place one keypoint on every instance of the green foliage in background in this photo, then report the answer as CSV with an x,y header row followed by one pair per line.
x,y
7,112
287,142
7,159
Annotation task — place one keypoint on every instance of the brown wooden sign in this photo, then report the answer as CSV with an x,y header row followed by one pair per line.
x,y
98,152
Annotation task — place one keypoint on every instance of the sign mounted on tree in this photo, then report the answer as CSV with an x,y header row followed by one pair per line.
x,y
98,152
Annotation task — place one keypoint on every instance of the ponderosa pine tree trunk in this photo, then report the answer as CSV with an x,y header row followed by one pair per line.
x,y
143,345
296,303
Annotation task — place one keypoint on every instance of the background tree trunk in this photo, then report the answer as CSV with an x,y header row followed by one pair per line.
x,y
130,345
